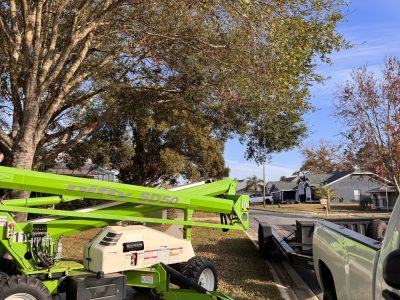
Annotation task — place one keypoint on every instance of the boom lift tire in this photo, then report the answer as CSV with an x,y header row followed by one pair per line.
x,y
376,230
19,287
8,266
203,271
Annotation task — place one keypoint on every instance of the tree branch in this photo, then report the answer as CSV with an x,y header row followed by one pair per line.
x,y
7,34
5,140
85,130
15,29
47,60
37,39
56,103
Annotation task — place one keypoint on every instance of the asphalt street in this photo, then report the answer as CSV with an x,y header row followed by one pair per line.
x,y
276,218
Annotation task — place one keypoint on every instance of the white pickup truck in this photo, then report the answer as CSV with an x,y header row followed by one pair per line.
x,y
349,265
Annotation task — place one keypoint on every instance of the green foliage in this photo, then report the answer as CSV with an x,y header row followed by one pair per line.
x,y
154,144
253,183
365,202
328,193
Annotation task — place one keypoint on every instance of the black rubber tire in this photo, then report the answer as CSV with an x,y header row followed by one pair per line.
x,y
376,230
24,284
195,267
8,266
178,267
329,295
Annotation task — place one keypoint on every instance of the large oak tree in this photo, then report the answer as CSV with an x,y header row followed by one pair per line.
x,y
250,67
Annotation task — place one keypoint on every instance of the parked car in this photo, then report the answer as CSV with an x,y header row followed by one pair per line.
x,y
257,198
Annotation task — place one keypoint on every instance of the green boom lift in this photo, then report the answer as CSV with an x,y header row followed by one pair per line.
x,y
119,256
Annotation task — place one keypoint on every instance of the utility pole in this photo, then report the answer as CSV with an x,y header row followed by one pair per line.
x,y
387,200
264,184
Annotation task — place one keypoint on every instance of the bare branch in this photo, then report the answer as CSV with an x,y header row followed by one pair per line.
x,y
77,36
38,39
6,33
5,140
57,102
48,54
84,131
16,31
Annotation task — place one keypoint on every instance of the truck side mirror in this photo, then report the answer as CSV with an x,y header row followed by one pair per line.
x,y
391,269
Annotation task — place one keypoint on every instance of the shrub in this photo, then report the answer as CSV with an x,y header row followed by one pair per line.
x,y
365,202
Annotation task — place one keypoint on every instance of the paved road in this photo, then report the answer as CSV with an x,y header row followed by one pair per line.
x,y
274,218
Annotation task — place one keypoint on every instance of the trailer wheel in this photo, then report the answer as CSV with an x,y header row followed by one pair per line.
x,y
203,271
376,230
23,288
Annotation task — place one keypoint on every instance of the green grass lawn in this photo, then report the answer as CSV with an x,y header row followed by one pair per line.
x,y
242,273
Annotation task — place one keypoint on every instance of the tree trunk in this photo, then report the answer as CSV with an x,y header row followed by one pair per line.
x,y
23,155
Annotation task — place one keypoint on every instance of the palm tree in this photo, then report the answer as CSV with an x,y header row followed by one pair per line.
x,y
253,183
328,193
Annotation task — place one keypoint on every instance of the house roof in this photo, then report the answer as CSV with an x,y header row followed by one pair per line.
x,y
241,184
382,189
327,179
86,170
291,179
284,185
318,179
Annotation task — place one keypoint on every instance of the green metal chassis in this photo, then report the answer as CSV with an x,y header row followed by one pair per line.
x,y
132,203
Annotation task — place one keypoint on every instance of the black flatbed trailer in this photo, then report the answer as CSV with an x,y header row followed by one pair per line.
x,y
294,242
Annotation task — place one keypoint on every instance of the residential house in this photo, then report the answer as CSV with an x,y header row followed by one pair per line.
x,y
88,170
379,196
282,191
351,187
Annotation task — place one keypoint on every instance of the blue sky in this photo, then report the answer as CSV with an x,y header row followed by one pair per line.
x,y
374,28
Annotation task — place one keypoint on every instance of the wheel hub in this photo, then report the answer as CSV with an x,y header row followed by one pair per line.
x,y
21,296
207,279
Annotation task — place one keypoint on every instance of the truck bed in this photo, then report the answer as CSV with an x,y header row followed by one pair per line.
x,y
294,242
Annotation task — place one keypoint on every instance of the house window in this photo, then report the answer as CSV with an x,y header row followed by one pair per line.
x,y
357,195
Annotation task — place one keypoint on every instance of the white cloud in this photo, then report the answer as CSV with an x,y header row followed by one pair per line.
x,y
241,170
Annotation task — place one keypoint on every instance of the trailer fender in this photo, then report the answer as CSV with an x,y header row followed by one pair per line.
x,y
265,242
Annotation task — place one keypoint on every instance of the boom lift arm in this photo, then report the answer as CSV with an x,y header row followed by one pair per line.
x,y
128,203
